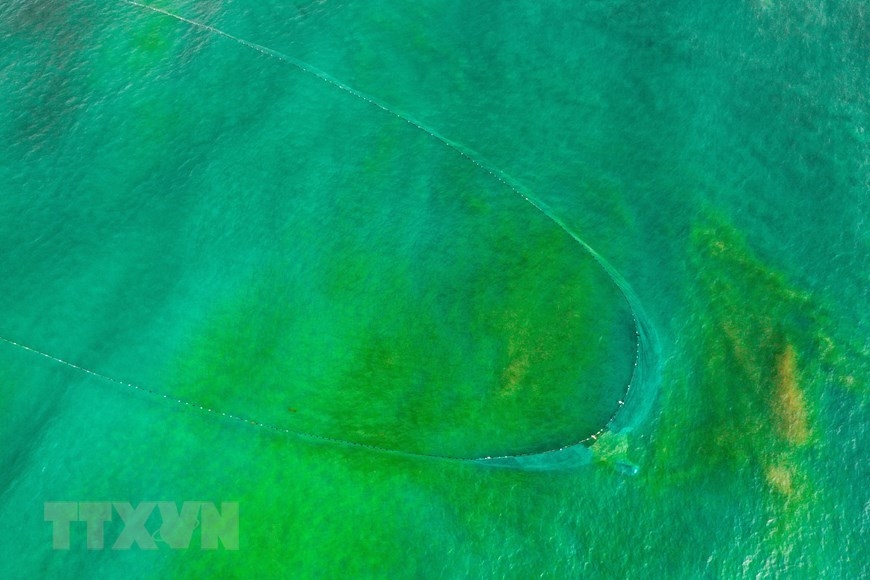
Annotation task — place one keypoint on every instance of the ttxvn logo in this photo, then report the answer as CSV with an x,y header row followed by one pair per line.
x,y
140,525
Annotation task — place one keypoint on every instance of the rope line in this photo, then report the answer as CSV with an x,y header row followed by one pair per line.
x,y
641,338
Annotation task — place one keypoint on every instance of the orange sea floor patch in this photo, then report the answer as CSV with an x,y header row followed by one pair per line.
x,y
780,477
790,405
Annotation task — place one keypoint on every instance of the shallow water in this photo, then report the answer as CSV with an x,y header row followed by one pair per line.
x,y
312,257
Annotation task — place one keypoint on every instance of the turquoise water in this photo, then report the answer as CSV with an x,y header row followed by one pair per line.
x,y
315,257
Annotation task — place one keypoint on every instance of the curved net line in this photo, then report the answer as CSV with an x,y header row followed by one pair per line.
x,y
644,338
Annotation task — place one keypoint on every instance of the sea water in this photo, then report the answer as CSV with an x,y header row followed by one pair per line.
x,y
314,257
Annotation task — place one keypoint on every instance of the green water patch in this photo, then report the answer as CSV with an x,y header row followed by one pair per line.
x,y
747,401
747,420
